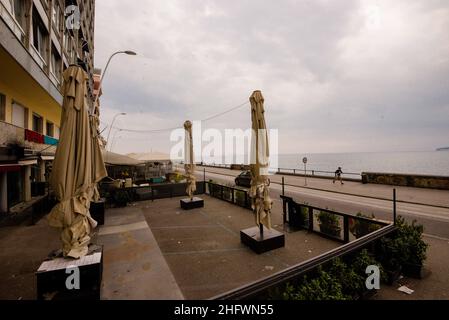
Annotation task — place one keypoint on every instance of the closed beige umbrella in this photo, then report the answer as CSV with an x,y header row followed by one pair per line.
x,y
260,153
189,165
77,167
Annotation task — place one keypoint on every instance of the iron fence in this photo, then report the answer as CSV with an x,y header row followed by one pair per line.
x,y
331,224
231,195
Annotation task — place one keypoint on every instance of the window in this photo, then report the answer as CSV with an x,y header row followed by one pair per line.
x,y
56,18
18,9
55,63
2,107
68,45
40,35
19,115
50,129
37,123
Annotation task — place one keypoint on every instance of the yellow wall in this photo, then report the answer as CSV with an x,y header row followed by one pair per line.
x,y
50,112
17,85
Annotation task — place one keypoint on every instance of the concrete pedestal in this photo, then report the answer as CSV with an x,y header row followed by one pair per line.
x,y
190,204
270,240
56,278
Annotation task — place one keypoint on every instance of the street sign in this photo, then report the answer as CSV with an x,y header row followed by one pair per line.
x,y
305,160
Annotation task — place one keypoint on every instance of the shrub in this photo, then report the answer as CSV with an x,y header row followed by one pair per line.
x,y
324,287
362,228
329,224
406,247
352,281
339,281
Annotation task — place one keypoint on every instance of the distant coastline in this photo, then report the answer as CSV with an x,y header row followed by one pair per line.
x,y
443,149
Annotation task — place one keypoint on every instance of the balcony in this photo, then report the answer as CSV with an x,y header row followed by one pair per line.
x,y
14,135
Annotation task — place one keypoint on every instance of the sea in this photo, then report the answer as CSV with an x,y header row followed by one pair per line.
x,y
425,163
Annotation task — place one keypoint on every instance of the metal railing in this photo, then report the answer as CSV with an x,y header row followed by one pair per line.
x,y
152,192
330,224
231,195
296,171
317,173
261,289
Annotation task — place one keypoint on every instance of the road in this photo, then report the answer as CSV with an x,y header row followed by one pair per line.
x,y
429,207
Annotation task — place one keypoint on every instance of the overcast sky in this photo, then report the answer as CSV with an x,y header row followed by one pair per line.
x,y
337,76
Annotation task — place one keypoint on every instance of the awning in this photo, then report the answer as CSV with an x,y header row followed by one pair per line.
x,y
116,159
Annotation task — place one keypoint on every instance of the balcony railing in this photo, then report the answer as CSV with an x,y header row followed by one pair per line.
x,y
12,134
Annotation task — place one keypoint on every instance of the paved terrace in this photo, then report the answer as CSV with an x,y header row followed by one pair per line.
x,y
191,255
201,248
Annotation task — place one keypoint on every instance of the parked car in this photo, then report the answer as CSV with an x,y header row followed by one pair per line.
x,y
244,179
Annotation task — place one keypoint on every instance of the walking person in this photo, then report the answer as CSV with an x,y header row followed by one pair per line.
x,y
338,176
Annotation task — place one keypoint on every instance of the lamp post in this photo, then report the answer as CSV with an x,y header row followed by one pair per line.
x,y
112,125
113,139
127,52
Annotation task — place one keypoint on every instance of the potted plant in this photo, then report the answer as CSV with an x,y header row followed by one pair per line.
x,y
390,252
360,227
329,224
413,247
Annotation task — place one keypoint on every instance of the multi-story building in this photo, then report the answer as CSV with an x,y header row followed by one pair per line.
x,y
38,41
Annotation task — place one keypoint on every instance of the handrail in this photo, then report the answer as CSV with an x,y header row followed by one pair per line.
x,y
256,288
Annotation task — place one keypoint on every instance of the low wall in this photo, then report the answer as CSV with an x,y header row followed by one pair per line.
x,y
407,180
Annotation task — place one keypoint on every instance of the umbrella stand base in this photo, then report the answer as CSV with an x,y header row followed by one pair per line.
x,y
58,279
271,239
188,204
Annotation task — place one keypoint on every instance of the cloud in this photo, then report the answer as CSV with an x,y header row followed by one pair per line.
x,y
337,75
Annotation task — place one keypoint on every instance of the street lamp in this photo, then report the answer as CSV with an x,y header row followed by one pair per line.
x,y
127,52
113,139
112,125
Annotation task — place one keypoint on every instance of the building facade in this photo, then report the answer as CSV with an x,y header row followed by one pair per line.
x,y
39,39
